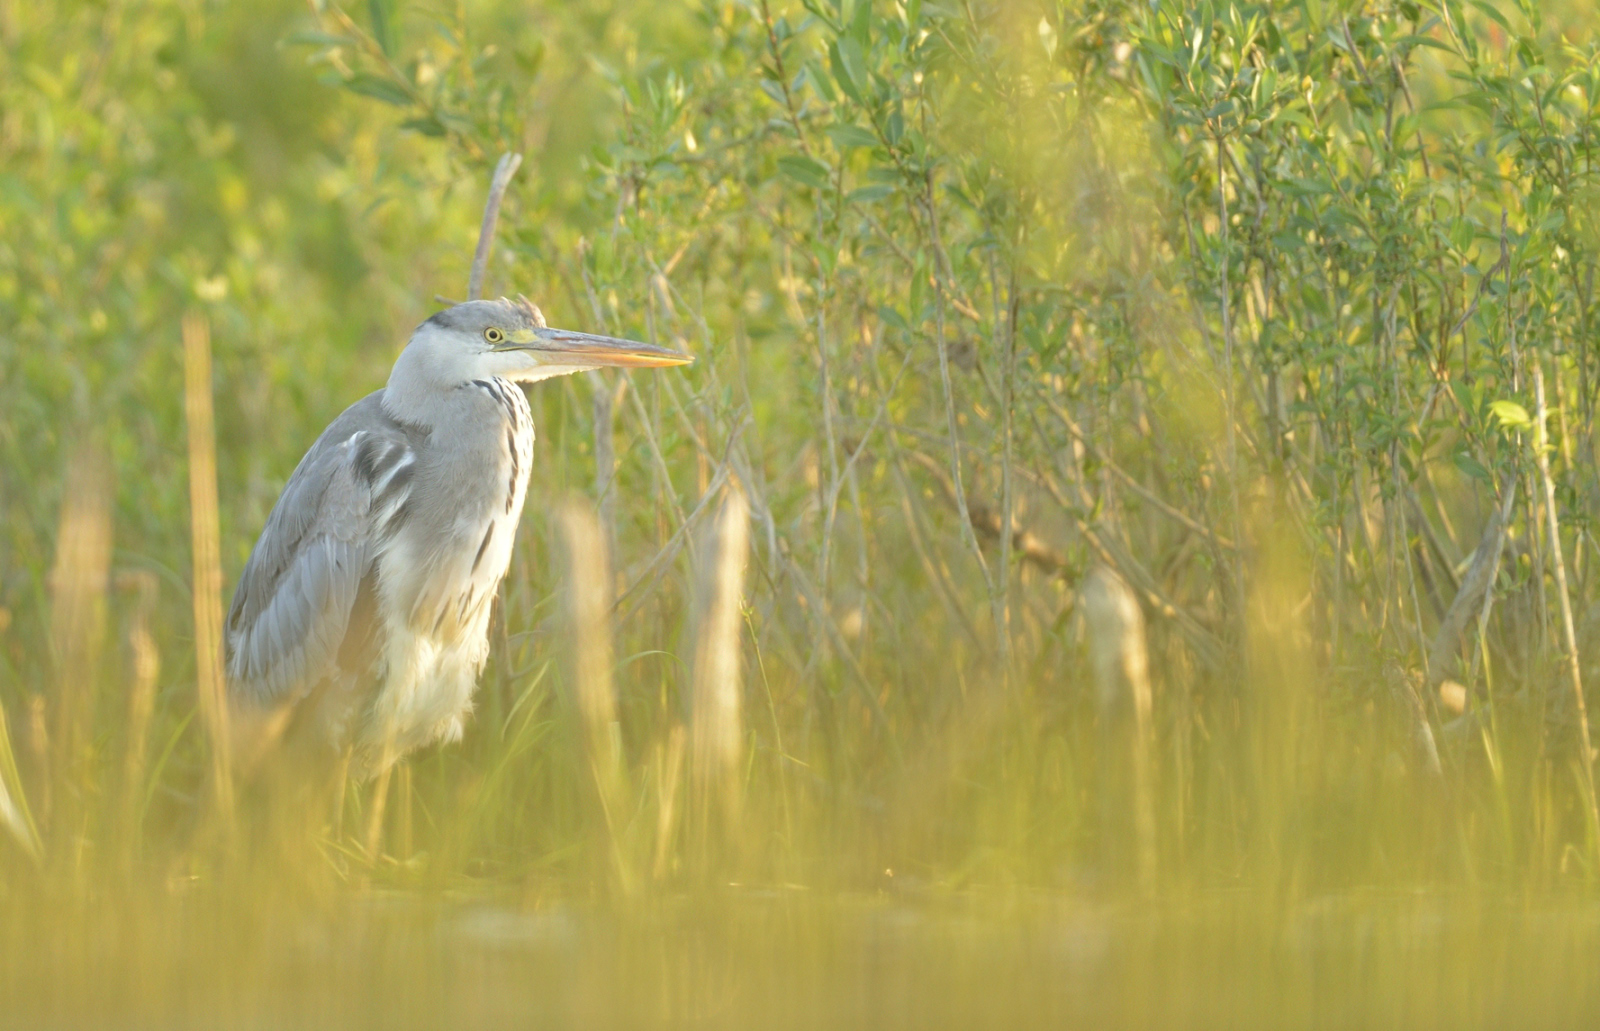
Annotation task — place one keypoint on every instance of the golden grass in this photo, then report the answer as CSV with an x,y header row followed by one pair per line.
x,y
717,731
206,551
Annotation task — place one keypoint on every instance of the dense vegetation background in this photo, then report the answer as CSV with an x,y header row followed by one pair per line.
x,y
1284,313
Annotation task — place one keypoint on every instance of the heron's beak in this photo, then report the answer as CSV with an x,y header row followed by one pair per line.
x,y
569,348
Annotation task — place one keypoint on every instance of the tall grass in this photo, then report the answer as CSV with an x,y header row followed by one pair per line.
x,y
1278,317
200,424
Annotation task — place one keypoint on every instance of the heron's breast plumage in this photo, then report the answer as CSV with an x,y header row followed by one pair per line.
x,y
439,573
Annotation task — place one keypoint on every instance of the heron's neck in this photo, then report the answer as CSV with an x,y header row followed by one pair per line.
x,y
421,382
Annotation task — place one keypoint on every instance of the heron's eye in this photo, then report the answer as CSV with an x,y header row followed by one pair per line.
x,y
494,336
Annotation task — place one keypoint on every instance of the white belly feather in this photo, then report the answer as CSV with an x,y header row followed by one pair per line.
x,y
436,601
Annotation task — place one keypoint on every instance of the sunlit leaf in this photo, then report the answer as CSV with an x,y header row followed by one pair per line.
x,y
1511,415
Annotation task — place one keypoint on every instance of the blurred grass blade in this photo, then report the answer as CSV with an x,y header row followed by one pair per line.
x,y
717,741
14,812
207,555
669,780
1569,641
1125,742
78,583
588,604
141,696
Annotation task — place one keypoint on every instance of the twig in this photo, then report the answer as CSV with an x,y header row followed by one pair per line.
x,y
988,522
1000,599
1109,551
958,489
783,77
1126,477
1480,574
1206,644
653,570
762,512
503,172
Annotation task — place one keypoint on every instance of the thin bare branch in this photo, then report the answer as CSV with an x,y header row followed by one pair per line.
x,y
503,171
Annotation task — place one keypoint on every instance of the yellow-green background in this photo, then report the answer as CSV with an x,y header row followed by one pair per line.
x,y
1211,293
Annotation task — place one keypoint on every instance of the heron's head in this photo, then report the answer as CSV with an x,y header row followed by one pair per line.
x,y
509,339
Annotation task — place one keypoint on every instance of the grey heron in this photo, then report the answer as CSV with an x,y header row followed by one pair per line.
x,y
360,624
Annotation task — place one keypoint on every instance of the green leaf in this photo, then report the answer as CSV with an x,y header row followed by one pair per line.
x,y
836,65
1471,467
804,170
309,38
861,22
893,318
530,58
894,127
1494,15
850,68
868,194
1512,416
428,126
1426,41
847,136
369,85
822,81
774,91
378,10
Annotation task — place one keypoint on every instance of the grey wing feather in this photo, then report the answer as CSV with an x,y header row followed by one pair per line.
x,y
292,606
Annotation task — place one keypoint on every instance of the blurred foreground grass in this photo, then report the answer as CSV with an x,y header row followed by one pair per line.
x,y
1165,437
793,959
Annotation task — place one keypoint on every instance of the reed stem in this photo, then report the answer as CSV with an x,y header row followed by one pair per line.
x,y
205,535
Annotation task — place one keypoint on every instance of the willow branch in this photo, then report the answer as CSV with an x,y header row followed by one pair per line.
x,y
509,163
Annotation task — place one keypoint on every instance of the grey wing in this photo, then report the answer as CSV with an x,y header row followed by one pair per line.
x,y
293,606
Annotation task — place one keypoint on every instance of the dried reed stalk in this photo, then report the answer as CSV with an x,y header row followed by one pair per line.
x,y
589,597
669,778
207,552
407,801
14,812
38,738
78,586
717,728
1121,666
141,693
1542,456
605,457
387,760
